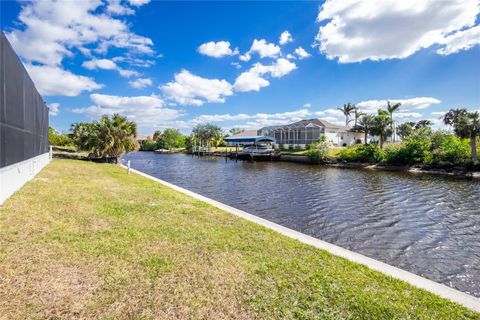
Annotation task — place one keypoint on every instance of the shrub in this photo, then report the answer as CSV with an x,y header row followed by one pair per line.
x,y
454,150
58,139
319,150
362,153
412,151
149,145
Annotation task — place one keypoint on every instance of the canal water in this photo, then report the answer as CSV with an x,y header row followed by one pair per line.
x,y
428,225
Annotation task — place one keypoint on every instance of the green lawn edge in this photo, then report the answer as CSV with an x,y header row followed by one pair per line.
x,y
86,240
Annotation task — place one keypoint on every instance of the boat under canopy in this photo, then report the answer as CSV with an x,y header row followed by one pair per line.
x,y
249,140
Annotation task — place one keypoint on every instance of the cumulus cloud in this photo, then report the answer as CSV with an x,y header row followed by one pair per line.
x,y
138,3
116,8
140,83
189,89
253,79
357,30
54,81
461,40
53,109
107,64
147,111
301,53
263,49
285,38
50,29
418,103
217,49
256,121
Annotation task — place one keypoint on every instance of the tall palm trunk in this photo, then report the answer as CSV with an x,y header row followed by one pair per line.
x,y
366,134
381,141
473,143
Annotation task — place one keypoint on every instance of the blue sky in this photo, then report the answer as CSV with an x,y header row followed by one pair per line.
x,y
176,64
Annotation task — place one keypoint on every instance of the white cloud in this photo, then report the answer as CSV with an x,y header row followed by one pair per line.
x,y
217,49
438,113
54,81
140,83
358,30
408,115
53,109
256,120
138,3
285,38
189,89
301,53
107,64
236,65
418,103
461,40
263,49
250,80
253,79
147,111
220,118
110,101
116,8
51,29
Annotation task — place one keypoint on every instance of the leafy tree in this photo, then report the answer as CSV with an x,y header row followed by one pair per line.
x,y
466,125
382,126
206,132
347,110
107,138
157,135
172,138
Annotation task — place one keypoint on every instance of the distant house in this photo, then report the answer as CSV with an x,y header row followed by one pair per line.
x,y
301,133
141,139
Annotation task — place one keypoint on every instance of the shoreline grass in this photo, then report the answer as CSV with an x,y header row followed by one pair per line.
x,y
86,240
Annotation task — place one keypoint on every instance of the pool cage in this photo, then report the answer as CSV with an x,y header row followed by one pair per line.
x,y
300,134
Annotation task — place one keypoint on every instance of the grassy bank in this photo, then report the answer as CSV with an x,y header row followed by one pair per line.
x,y
86,240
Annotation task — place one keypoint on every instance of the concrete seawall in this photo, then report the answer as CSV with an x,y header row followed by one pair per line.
x,y
441,290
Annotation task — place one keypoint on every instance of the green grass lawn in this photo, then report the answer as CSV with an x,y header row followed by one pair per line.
x,y
86,240
332,152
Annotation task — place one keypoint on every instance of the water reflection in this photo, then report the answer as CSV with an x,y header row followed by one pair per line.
x,y
424,224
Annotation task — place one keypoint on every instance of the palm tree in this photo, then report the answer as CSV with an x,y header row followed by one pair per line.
x,y
382,126
358,114
466,125
347,110
405,129
107,138
365,124
391,108
423,124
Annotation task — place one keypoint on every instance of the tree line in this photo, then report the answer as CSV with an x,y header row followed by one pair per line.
x,y
420,143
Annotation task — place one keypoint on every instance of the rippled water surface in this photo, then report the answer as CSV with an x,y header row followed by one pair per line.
x,y
424,224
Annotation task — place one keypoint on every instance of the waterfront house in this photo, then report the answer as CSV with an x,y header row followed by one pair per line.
x,y
304,132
